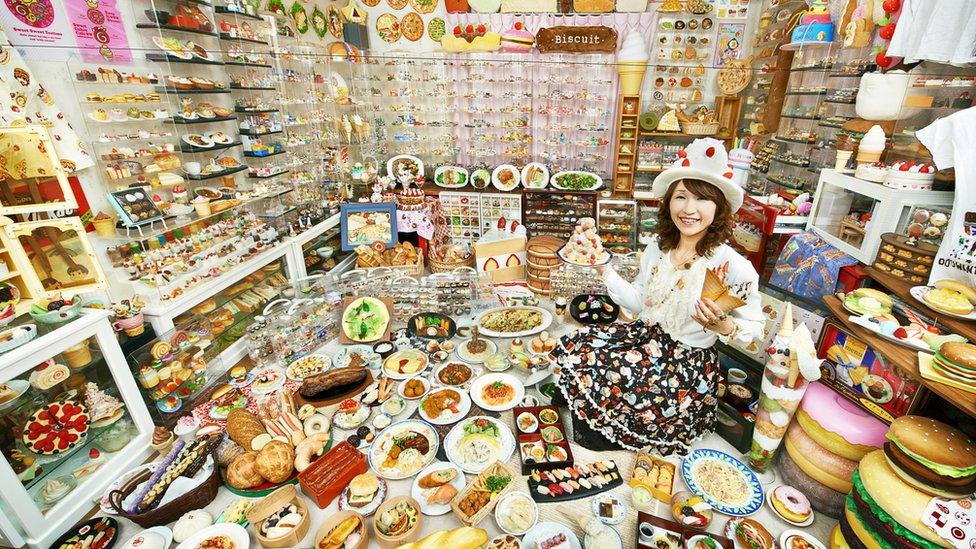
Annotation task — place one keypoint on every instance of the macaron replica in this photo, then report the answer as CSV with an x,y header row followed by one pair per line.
x,y
932,457
517,39
884,512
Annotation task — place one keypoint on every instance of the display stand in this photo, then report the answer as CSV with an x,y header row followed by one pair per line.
x,y
625,149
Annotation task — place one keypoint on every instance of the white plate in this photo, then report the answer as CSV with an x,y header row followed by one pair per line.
x,y
503,504
442,169
506,445
234,531
874,328
793,532
327,363
403,384
394,374
525,174
769,503
348,422
463,407
417,493
485,332
545,530
492,378
157,536
365,510
158,41
378,450
616,535
219,137
603,261
435,379
554,183
462,353
207,144
372,358
918,292
18,386
391,161
621,508
277,383
516,179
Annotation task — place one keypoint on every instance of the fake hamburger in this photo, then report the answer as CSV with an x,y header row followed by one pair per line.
x,y
932,457
882,512
362,490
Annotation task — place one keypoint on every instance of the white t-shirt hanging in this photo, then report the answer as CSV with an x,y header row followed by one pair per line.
x,y
936,30
950,140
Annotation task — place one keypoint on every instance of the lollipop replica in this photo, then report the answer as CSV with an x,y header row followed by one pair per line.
x,y
792,365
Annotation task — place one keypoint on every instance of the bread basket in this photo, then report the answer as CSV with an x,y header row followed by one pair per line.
x,y
334,520
197,498
395,541
271,504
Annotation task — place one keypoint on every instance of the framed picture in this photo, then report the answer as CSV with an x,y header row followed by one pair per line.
x,y
367,223
58,252
32,178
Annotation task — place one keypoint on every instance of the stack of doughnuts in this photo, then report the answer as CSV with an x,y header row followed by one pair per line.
x,y
827,438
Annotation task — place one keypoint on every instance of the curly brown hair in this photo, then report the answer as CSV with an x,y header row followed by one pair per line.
x,y
719,232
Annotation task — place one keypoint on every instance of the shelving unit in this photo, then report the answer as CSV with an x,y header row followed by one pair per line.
x,y
625,149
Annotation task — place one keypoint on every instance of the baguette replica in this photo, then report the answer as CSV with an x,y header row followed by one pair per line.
x,y
464,537
317,384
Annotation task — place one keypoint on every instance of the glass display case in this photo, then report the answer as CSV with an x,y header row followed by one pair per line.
x,y
75,378
617,223
555,213
852,214
175,370
323,253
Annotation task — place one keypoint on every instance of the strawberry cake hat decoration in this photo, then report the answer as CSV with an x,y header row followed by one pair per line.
x,y
704,160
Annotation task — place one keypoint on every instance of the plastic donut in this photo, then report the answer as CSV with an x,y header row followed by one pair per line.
x,y
822,461
308,448
822,498
316,424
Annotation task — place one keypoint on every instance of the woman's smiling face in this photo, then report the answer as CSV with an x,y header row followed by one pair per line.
x,y
691,214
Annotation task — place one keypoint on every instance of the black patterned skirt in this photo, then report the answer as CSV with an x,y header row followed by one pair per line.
x,y
638,387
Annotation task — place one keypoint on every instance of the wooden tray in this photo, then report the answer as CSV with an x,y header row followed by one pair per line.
x,y
337,397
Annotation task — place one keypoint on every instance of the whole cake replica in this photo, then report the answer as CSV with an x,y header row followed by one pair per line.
x,y
911,175
815,25
56,427
585,246
517,39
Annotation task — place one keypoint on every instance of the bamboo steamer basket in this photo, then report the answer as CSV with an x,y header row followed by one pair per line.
x,y
335,520
268,506
395,541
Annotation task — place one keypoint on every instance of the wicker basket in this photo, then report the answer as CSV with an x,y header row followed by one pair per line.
x,y
699,128
197,498
438,266
416,269
498,469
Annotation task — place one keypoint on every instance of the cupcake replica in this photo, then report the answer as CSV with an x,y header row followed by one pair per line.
x,y
791,366
632,63
585,246
517,39
910,176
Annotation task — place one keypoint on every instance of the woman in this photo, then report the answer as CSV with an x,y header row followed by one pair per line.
x,y
651,384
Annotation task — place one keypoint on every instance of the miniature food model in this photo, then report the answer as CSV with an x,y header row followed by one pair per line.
x,y
517,39
585,246
951,296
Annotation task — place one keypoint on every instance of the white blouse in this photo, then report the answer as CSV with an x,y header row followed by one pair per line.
x,y
665,295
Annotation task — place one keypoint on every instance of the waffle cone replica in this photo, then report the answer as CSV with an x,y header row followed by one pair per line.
x,y
717,291
632,63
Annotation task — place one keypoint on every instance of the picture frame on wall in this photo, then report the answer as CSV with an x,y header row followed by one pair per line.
x,y
367,223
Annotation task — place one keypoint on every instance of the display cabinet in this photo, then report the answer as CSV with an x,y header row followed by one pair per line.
x,y
77,374
322,254
852,214
617,224
33,178
554,213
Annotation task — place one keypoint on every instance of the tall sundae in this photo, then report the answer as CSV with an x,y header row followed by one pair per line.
x,y
632,63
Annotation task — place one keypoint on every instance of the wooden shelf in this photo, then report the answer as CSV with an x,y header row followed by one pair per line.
x,y
901,357
902,289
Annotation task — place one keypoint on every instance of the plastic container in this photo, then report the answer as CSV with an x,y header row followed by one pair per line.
x,y
329,475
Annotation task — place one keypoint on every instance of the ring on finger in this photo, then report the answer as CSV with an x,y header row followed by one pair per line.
x,y
723,316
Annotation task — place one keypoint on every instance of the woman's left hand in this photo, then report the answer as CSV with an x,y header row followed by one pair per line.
x,y
711,317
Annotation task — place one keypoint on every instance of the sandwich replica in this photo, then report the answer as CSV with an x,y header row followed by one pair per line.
x,y
362,490
956,361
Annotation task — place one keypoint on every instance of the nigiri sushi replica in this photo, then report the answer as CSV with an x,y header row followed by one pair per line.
x,y
574,482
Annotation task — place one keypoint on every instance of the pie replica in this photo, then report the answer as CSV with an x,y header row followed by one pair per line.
x,y
733,77
56,428
365,319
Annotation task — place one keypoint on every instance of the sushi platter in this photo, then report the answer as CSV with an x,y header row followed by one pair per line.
x,y
575,482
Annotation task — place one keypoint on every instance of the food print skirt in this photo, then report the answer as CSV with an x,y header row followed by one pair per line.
x,y
637,387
